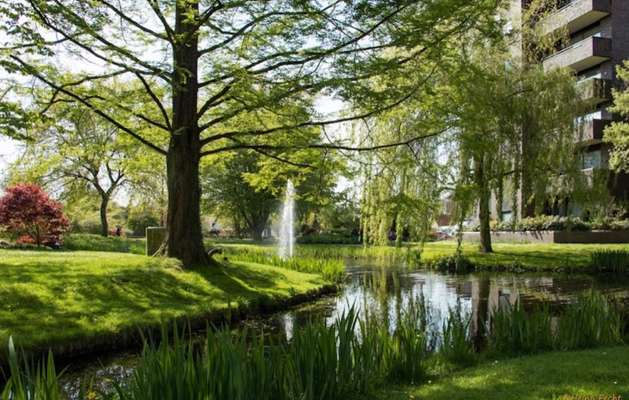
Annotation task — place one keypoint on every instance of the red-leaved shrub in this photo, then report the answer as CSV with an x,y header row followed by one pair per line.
x,y
26,210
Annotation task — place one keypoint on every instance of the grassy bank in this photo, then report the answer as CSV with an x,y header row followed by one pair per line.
x,y
56,298
595,373
534,257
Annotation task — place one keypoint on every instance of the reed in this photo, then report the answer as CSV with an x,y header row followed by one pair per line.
x,y
591,321
331,269
514,331
610,261
456,344
31,381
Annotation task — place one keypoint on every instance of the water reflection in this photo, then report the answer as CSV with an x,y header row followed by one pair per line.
x,y
386,293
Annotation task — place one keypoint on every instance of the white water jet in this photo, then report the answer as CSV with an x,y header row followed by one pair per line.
x,y
287,228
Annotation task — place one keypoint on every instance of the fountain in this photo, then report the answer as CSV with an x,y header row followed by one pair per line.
x,y
287,230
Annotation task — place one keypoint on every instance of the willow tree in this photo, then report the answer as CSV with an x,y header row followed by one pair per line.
x,y
493,120
219,59
618,133
493,102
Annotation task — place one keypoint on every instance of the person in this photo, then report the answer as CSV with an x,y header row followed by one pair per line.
x,y
118,230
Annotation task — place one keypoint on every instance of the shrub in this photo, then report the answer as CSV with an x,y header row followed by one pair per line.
x,y
26,210
328,238
544,223
139,222
453,264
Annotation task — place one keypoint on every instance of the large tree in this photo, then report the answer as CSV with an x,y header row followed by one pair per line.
x,y
218,60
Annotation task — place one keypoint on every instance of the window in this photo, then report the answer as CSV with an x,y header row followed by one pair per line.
x,y
592,159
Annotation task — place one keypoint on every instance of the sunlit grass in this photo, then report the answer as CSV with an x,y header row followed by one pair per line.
x,y
53,298
593,373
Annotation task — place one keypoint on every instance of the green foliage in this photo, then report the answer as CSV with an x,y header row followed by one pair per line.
x,y
140,220
544,223
330,268
453,264
618,133
591,321
328,238
516,331
558,223
456,346
406,357
31,382
610,261
557,375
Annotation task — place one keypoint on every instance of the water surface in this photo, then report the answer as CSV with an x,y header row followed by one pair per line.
x,y
386,292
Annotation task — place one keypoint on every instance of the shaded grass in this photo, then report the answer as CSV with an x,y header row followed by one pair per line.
x,y
552,375
51,298
91,242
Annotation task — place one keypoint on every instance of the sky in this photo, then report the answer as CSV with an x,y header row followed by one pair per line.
x,y
8,153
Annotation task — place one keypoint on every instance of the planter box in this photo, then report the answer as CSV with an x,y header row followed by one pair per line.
x,y
553,237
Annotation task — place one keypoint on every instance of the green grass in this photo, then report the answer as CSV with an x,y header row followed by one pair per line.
x,y
535,257
50,298
552,375
90,242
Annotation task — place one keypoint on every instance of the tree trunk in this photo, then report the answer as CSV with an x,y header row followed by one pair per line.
x,y
185,239
483,204
104,224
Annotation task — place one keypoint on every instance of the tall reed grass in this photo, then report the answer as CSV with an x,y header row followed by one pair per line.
x,y
31,381
456,345
331,269
350,358
591,321
610,261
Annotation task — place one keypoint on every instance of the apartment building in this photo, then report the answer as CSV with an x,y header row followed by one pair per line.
x,y
598,42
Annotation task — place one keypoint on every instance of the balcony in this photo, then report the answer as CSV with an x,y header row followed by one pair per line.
x,y
591,131
595,91
576,15
582,55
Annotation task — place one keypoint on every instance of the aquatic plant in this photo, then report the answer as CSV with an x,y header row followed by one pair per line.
x,y
610,261
452,264
514,331
330,269
456,346
31,381
591,321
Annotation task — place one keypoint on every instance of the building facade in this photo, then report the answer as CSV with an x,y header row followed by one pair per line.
x,y
598,41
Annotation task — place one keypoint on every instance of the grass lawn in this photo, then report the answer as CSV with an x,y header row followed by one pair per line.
x,y
542,257
561,375
50,297
536,256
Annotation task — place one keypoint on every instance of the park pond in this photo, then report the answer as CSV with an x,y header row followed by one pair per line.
x,y
386,292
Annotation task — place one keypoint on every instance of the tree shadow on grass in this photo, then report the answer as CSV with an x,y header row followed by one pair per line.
x,y
69,303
